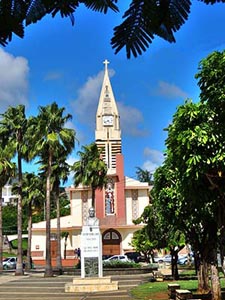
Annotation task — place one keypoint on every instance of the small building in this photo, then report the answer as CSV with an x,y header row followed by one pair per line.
x,y
121,201
7,196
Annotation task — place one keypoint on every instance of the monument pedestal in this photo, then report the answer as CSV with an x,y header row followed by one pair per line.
x,y
91,252
91,284
92,279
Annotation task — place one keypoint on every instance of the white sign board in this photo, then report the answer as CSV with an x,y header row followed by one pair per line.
x,y
91,251
90,242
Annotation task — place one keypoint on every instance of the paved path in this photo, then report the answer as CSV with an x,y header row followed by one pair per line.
x,y
35,286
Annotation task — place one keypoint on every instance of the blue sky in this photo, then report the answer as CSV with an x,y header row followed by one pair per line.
x,y
58,62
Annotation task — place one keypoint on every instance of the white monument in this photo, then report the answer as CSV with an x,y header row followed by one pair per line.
x,y
91,279
91,247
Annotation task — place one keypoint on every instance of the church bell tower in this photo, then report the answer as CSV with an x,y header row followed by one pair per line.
x,y
108,133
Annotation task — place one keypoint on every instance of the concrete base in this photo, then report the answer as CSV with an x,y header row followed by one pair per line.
x,y
91,284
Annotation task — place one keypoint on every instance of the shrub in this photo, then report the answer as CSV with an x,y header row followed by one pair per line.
x,y
120,264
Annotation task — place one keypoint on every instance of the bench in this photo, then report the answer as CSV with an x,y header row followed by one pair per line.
x,y
183,294
172,287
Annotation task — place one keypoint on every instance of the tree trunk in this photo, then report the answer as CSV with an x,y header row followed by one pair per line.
x,y
93,197
215,283
29,260
203,278
19,264
1,232
174,254
59,258
65,245
48,264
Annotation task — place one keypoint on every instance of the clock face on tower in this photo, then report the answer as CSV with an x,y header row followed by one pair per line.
x,y
107,120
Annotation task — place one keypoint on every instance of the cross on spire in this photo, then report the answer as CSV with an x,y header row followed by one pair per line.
x,y
106,62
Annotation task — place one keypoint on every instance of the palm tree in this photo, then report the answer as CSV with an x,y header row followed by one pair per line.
x,y
7,169
65,235
143,20
144,175
90,170
60,172
33,197
14,126
50,134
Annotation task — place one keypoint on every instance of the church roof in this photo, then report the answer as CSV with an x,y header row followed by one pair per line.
x,y
134,183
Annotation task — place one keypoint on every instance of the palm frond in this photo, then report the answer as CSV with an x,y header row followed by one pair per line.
x,y
132,33
212,1
12,14
173,14
101,5
39,8
36,11
145,19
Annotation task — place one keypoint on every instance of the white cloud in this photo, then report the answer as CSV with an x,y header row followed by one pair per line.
x,y
149,166
85,106
154,159
131,118
79,138
13,80
170,90
72,159
54,75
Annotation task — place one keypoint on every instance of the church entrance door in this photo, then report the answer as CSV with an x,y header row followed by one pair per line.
x,y
53,249
111,241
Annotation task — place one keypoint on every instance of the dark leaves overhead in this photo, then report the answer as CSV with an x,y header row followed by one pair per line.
x,y
143,20
212,1
101,5
39,8
146,18
66,8
12,14
36,11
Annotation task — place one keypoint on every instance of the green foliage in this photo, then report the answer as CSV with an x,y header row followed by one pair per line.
x,y
64,203
144,175
14,244
141,242
189,188
150,237
90,170
120,264
9,219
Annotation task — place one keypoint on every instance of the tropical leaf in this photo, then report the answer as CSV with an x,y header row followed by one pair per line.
x,y
142,21
212,1
101,5
36,11
12,14
145,19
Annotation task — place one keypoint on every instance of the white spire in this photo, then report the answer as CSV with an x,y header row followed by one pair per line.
x,y
108,133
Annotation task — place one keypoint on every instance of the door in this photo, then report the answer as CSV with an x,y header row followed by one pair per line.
x,y
111,240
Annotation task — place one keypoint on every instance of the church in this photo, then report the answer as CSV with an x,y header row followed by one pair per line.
x,y
121,201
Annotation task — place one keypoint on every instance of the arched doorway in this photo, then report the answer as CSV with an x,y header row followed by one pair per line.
x,y
111,240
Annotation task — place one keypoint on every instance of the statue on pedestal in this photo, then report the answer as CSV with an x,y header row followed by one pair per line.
x,y
91,247
92,220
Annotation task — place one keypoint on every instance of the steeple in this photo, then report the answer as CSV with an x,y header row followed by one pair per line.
x,y
108,133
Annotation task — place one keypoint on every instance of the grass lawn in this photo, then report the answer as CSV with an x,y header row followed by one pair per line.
x,y
159,290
